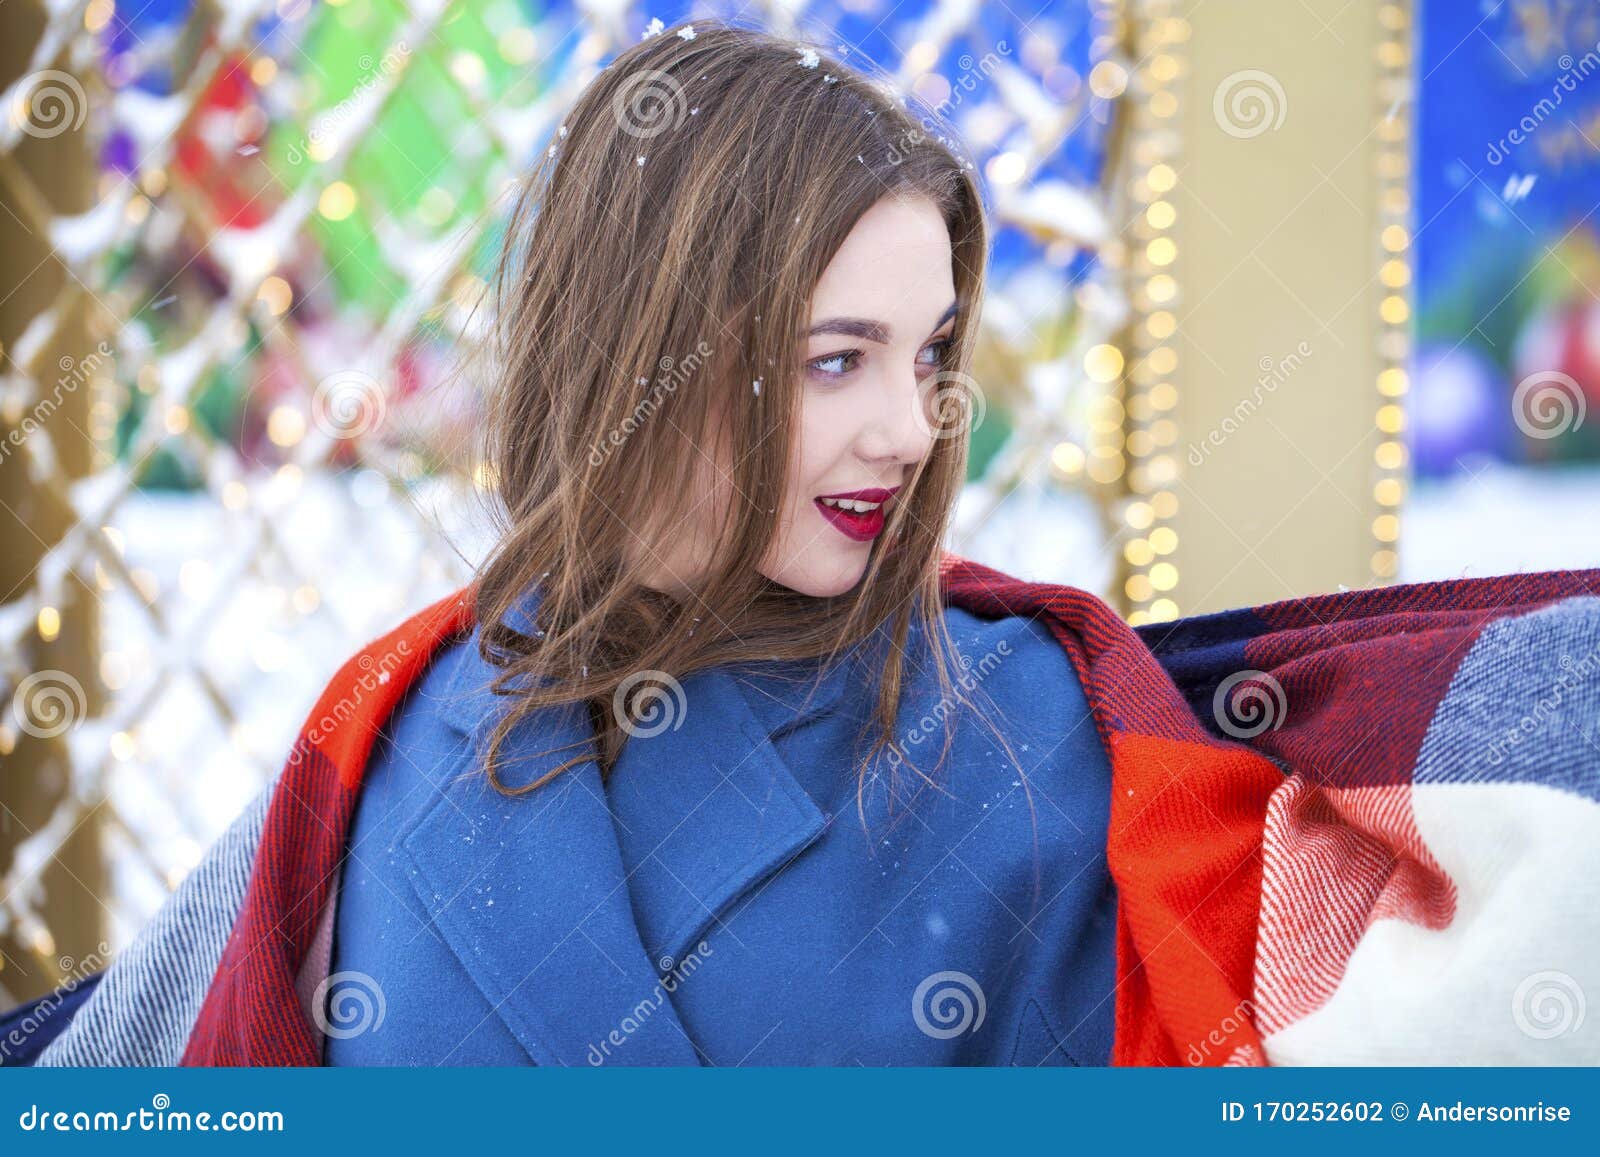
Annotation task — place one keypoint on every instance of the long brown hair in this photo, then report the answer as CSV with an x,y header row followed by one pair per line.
x,y
660,261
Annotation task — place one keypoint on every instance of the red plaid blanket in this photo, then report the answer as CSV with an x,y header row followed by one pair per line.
x,y
1327,816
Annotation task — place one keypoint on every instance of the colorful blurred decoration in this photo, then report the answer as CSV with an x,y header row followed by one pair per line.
x,y
1561,339
1457,411
1509,248
356,210
347,165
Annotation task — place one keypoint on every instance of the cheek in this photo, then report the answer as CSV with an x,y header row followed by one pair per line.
x,y
707,500
823,441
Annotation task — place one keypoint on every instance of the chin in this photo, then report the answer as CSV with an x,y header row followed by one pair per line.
x,y
823,578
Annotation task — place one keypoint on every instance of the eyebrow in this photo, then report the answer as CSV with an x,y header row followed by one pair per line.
x,y
866,329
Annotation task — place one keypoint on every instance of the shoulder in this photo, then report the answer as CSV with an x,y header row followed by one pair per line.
x,y
1008,635
1016,659
1011,673
386,931
427,741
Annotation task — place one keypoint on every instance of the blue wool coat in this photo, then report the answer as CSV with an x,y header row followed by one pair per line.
x,y
723,896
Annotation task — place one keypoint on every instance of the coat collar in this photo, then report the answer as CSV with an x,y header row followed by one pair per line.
x,y
531,892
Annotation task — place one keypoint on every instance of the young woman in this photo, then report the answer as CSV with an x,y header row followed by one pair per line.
x,y
714,764
717,778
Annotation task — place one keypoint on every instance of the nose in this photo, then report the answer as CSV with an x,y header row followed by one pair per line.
x,y
898,431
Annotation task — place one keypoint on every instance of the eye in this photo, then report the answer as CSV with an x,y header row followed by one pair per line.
x,y
939,350
835,365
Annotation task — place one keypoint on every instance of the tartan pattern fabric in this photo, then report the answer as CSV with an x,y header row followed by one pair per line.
x,y
1466,924
1189,821
1254,862
1369,681
253,1013
144,1006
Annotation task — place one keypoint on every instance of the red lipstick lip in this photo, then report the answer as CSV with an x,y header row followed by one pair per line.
x,y
857,527
875,494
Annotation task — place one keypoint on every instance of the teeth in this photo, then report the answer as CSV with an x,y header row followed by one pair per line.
x,y
851,504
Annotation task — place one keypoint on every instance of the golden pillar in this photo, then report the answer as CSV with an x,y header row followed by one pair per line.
x,y
51,912
1265,198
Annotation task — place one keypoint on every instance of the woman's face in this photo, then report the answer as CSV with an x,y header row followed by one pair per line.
x,y
881,317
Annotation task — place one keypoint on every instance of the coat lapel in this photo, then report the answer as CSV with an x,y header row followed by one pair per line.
x,y
532,894
709,809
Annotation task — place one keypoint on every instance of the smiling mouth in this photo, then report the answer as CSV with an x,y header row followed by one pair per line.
x,y
856,514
